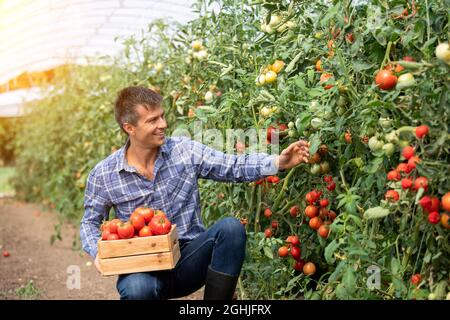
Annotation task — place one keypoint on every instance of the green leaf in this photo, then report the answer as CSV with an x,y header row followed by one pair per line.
x,y
300,84
329,251
376,213
349,280
268,252
314,143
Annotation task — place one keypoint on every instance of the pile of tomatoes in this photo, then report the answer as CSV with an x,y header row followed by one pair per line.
x,y
143,222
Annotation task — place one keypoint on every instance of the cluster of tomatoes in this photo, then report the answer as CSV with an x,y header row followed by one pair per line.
x,y
405,174
387,79
293,247
270,73
266,182
143,222
318,212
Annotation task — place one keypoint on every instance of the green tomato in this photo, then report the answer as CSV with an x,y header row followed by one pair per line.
x,y
385,122
403,143
328,115
316,123
340,111
389,149
392,137
315,169
313,106
291,125
405,81
292,133
375,144
342,101
324,167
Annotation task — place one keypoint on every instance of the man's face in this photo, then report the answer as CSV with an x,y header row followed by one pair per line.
x,y
149,130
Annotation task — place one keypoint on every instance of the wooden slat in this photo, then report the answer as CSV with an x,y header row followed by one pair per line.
x,y
138,246
140,263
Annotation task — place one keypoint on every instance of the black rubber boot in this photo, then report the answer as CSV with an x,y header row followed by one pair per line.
x,y
219,286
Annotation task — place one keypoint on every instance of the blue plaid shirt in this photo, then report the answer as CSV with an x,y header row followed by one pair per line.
x,y
174,189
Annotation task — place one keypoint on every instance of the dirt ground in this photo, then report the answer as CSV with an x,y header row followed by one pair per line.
x,y
25,233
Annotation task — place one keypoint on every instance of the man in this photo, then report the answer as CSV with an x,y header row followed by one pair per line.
x,y
158,172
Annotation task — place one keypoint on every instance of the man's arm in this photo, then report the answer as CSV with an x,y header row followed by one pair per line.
x,y
96,209
219,166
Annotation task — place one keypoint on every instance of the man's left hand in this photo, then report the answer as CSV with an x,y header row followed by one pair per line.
x,y
293,155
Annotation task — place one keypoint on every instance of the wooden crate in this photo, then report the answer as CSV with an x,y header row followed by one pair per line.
x,y
139,254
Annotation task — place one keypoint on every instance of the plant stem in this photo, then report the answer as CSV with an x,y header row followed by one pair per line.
x,y
386,55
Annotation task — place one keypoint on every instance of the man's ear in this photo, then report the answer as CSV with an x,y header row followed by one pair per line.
x,y
129,128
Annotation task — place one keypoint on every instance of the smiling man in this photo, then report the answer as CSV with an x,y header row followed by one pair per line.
x,y
155,171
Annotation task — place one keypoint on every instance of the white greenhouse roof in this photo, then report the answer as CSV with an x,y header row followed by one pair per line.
x,y
41,34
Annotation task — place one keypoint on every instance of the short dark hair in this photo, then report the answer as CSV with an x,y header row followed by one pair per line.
x,y
129,98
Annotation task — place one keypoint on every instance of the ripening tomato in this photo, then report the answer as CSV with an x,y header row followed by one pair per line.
x,y
445,201
393,175
125,230
435,204
415,279
323,213
6,254
327,179
406,183
268,233
385,80
275,179
147,213
112,236
270,77
422,131
425,203
295,252
324,78
403,167
298,265
434,217
315,158
283,251
444,220
331,186
408,152
315,223
412,162
160,225
267,213
294,211
323,231
331,215
324,203
295,241
159,213
309,268
105,233
137,220
311,211
319,66
277,66
392,196
420,182
274,224
145,232
113,224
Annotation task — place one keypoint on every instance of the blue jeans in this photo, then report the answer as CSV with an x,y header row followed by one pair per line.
x,y
222,247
